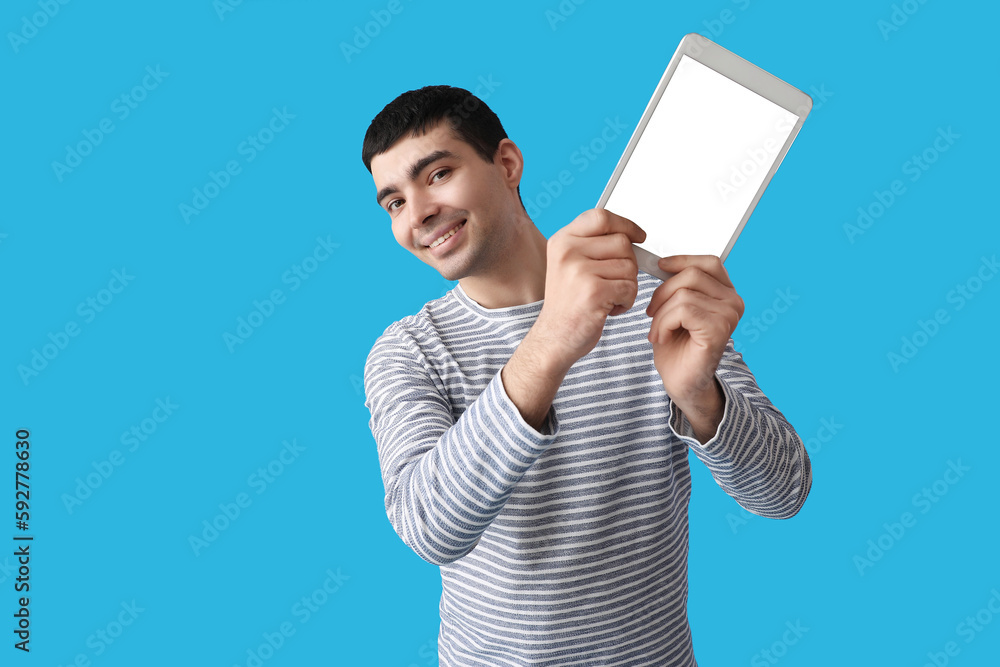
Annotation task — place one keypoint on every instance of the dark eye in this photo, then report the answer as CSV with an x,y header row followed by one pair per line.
x,y
393,205
442,172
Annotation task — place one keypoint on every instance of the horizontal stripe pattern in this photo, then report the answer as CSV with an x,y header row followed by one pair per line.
x,y
568,545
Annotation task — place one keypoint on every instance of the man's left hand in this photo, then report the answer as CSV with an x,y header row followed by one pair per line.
x,y
694,314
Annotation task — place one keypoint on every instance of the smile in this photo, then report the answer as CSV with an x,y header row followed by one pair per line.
x,y
444,237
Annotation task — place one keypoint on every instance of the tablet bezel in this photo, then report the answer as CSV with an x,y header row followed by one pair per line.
x,y
740,71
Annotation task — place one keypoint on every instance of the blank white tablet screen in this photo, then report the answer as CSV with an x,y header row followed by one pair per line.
x,y
703,155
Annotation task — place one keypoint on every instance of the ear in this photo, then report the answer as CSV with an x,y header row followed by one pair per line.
x,y
508,157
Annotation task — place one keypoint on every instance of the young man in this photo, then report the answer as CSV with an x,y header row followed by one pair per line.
x,y
533,424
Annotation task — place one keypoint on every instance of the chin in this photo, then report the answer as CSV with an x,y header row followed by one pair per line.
x,y
451,275
452,271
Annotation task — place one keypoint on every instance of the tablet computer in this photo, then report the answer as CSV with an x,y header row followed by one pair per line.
x,y
708,143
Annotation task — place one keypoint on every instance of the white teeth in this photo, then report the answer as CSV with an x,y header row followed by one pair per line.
x,y
442,239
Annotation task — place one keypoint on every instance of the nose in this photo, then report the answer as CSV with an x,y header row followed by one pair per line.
x,y
421,209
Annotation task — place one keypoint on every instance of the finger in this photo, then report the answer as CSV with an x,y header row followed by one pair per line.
x,y
707,329
704,324
596,292
607,246
613,283
617,268
620,295
710,264
694,279
705,307
697,312
600,221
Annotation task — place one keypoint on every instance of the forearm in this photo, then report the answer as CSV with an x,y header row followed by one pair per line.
x,y
443,503
447,481
532,378
754,454
445,486
704,409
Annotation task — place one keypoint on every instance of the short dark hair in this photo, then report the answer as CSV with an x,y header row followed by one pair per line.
x,y
417,111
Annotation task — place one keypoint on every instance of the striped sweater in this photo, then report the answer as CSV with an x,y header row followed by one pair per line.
x,y
568,545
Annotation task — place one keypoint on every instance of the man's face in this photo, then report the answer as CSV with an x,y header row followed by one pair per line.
x,y
448,206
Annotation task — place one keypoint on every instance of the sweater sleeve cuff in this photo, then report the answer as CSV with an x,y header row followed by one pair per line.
x,y
718,447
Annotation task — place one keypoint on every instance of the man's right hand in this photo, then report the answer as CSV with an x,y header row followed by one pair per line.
x,y
591,273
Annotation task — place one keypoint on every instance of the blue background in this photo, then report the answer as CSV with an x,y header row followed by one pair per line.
x,y
881,96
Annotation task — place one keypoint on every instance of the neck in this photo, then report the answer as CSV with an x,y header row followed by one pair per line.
x,y
517,280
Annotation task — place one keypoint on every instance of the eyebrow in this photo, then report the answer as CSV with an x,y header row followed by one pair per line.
x,y
414,171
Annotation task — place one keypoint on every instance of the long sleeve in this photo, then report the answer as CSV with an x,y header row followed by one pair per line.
x,y
445,479
755,455
567,544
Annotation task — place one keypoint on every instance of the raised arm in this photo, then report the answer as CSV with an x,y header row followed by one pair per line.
x,y
445,479
716,406
590,274
754,455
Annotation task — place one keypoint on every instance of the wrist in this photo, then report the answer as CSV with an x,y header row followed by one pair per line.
x,y
547,351
531,378
544,355
704,409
